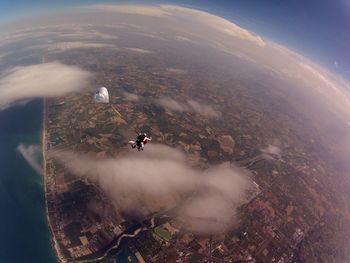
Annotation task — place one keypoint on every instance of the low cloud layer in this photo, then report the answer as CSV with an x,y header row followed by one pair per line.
x,y
130,96
159,178
42,80
170,11
271,152
176,70
190,106
172,105
32,154
204,110
139,50
64,46
153,11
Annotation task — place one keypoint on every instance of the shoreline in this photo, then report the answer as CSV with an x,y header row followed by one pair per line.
x,y
54,243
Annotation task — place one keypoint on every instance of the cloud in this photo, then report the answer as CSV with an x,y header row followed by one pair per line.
x,y
271,152
89,35
152,11
182,39
130,96
204,110
176,70
167,11
190,106
31,153
42,80
318,74
64,46
159,179
216,22
170,104
139,50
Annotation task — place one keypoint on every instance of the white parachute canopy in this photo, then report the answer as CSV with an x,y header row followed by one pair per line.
x,y
101,96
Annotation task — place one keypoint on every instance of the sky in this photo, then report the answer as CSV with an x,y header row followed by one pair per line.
x,y
318,29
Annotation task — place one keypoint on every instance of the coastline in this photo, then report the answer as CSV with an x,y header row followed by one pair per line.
x,y
54,243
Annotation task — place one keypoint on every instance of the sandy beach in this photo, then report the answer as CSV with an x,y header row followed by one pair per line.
x,y
44,149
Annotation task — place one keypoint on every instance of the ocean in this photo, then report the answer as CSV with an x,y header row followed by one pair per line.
x,y
24,232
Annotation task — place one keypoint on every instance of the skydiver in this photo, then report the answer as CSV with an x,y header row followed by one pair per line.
x,y
141,140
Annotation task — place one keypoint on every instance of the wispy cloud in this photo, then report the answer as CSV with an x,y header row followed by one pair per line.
x,y
171,104
139,50
216,22
182,38
31,154
205,201
130,96
202,109
318,74
162,11
42,80
176,70
87,35
64,46
271,152
153,11
190,106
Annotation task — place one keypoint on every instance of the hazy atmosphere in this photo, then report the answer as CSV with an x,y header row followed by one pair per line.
x,y
223,138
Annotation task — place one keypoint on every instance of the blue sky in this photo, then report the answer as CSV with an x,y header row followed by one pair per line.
x,y
319,29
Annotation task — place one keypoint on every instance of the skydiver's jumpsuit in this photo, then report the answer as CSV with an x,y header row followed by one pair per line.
x,y
142,139
139,141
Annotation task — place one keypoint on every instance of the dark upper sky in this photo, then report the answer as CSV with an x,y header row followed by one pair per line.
x,y
319,29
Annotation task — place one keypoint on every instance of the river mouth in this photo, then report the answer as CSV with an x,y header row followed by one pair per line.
x,y
24,233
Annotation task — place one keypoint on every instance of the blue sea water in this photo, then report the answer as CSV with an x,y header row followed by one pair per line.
x,y
24,232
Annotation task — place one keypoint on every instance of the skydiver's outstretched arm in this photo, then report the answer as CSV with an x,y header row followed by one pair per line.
x,y
146,139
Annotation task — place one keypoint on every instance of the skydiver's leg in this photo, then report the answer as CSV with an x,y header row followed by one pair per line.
x,y
142,146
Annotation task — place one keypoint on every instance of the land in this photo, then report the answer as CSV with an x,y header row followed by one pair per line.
x,y
297,209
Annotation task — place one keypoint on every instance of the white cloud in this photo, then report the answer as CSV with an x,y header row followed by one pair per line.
x,y
182,38
42,80
32,154
271,152
319,75
176,70
206,200
153,11
130,96
190,106
153,35
172,105
215,22
64,46
139,50
204,110
167,11
89,35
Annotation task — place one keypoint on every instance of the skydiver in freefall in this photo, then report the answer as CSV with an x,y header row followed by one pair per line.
x,y
141,140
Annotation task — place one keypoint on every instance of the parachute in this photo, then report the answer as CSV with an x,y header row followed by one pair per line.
x,y
101,96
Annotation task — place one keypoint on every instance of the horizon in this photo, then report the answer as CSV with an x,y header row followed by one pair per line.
x,y
321,33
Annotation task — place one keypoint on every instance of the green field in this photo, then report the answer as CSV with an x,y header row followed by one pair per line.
x,y
162,233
